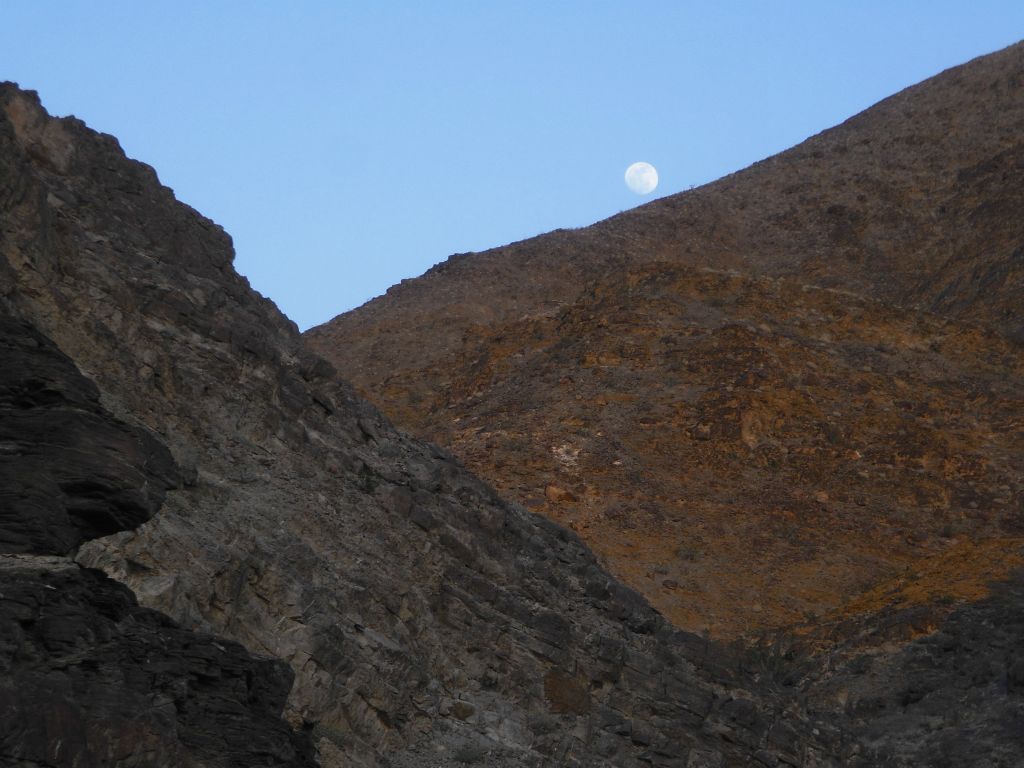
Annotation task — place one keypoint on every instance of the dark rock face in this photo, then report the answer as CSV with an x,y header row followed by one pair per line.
x,y
91,680
68,471
87,677
953,697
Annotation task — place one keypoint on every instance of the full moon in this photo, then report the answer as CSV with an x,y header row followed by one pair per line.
x,y
642,178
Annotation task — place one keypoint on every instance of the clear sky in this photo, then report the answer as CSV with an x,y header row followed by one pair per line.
x,y
348,145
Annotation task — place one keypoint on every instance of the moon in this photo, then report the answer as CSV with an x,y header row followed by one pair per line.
x,y
642,178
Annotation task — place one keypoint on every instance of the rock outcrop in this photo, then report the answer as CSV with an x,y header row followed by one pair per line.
x,y
87,677
68,472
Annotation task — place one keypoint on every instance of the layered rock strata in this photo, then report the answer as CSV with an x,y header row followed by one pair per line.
x,y
87,676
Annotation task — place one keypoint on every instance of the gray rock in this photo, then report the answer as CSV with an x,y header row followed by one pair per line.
x,y
87,677
90,679
68,472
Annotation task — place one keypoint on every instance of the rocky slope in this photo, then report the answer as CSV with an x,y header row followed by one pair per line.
x,y
747,453
88,677
788,399
428,622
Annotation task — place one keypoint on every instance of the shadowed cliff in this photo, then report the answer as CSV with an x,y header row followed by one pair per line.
x,y
89,678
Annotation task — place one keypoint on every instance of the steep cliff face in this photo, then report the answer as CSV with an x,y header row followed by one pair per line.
x,y
426,620
87,677
792,396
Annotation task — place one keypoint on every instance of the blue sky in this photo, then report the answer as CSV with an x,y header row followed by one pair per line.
x,y
347,145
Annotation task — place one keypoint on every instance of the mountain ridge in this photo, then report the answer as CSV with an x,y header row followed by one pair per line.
x,y
826,341
701,208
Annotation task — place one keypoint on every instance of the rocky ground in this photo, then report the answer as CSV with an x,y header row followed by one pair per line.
x,y
750,454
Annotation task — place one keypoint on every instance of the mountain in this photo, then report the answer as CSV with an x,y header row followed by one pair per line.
x,y
788,400
910,202
426,621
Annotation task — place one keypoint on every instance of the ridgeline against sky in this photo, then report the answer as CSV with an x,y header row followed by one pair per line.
x,y
819,353
348,148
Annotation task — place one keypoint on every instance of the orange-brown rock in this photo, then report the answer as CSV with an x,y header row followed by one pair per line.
x,y
764,402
